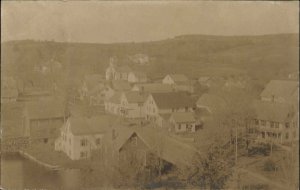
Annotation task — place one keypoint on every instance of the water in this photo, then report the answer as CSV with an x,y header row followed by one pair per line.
x,y
18,173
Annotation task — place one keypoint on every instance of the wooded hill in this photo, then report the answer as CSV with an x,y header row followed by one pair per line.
x,y
261,57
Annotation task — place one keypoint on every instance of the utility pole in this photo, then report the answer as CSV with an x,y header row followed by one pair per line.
x,y
236,144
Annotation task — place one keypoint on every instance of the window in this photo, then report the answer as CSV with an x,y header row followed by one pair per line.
x,y
179,126
276,125
272,124
287,125
134,140
83,142
83,154
263,135
256,121
263,122
287,135
98,141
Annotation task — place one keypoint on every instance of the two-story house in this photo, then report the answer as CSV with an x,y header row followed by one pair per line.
x,y
113,104
167,103
132,104
80,136
275,122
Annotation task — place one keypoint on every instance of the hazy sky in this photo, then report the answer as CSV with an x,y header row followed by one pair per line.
x,y
94,21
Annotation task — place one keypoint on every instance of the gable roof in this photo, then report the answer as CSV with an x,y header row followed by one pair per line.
x,y
172,100
154,87
90,126
45,109
272,111
183,117
280,88
135,97
178,77
172,150
116,98
120,85
211,101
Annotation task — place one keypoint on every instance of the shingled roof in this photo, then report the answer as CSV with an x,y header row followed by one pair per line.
x,y
172,150
116,98
135,97
90,126
272,111
155,87
120,85
183,117
173,100
280,88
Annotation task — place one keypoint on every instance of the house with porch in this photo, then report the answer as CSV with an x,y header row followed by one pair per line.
x,y
275,122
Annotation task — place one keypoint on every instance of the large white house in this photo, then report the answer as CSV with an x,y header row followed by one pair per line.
x,y
132,104
80,136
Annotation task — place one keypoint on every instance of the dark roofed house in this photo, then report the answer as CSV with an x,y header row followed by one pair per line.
x,y
281,91
146,142
43,120
161,103
277,122
80,136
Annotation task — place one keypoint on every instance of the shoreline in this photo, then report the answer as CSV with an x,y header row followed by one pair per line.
x,y
32,158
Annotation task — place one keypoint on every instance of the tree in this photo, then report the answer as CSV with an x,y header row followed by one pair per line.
x,y
212,170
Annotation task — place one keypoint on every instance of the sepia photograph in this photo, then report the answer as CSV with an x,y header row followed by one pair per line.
x,y
138,95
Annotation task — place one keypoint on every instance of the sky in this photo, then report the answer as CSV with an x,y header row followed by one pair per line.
x,y
136,21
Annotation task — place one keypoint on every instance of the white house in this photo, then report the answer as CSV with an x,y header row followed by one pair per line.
x,y
183,122
276,122
80,136
132,104
113,104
